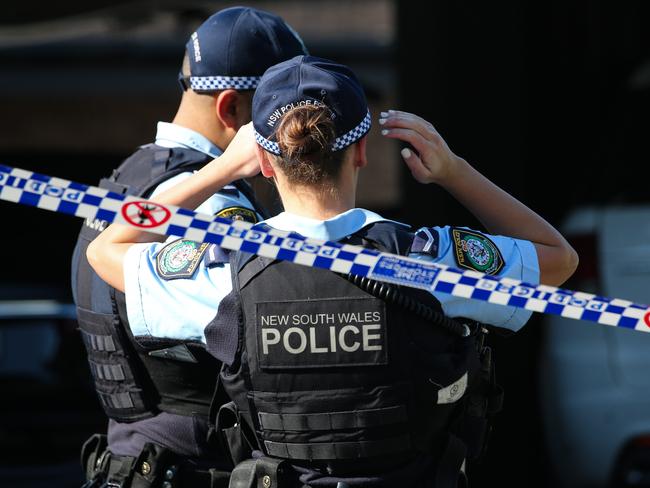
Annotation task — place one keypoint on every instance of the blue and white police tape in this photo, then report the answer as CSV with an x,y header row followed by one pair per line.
x,y
92,203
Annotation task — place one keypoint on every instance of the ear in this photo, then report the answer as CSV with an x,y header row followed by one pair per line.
x,y
265,164
360,156
227,108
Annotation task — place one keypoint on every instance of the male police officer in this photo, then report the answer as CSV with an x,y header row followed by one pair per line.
x,y
154,382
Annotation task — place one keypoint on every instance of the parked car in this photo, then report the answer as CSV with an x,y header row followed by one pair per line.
x,y
48,406
595,379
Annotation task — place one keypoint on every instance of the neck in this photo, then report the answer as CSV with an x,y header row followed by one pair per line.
x,y
319,207
195,115
319,204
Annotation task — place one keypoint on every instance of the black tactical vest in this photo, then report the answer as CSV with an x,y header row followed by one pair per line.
x,y
328,374
138,379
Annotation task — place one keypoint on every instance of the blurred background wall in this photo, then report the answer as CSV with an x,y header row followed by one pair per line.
x,y
550,100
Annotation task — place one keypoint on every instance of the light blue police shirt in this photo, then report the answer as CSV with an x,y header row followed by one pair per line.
x,y
182,308
174,135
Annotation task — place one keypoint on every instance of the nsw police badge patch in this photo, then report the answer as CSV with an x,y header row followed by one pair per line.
x,y
238,213
475,251
179,259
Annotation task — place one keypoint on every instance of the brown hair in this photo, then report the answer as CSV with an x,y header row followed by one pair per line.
x,y
305,136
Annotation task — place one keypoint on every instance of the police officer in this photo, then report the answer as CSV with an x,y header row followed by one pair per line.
x,y
334,381
155,381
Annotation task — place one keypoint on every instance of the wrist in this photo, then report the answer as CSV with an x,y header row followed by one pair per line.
x,y
456,170
221,171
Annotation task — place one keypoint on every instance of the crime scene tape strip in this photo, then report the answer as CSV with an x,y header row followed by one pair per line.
x,y
63,196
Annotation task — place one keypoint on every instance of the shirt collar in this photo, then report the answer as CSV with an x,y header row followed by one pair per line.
x,y
332,229
174,135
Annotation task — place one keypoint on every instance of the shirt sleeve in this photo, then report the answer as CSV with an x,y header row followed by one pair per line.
x,y
174,309
178,308
519,262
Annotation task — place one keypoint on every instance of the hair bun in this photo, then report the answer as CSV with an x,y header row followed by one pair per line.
x,y
306,135
305,130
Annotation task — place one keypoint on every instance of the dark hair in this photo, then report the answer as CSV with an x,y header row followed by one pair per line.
x,y
305,136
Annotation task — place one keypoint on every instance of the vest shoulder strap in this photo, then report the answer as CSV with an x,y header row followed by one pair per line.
x,y
247,266
150,165
169,162
386,237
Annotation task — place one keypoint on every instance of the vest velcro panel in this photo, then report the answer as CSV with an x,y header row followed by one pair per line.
x,y
352,419
110,364
338,450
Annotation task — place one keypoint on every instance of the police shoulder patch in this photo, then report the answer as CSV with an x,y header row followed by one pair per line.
x,y
238,213
475,251
179,259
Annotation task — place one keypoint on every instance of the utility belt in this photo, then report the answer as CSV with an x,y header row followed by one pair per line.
x,y
154,467
268,472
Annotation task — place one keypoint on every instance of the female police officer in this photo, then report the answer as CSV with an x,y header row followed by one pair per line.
x,y
345,386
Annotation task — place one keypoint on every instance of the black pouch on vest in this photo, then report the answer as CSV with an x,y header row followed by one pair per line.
x,y
231,434
91,451
262,472
481,405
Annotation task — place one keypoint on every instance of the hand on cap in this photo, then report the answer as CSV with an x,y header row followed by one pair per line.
x,y
241,154
433,161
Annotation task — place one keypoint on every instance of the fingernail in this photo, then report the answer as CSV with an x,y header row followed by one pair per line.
x,y
382,121
406,152
384,132
384,114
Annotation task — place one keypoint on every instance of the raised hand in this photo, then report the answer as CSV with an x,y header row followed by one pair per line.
x,y
433,161
241,154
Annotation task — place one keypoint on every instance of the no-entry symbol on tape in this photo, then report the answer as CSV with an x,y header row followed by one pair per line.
x,y
145,214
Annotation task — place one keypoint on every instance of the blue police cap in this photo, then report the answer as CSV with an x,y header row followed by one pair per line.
x,y
308,80
234,47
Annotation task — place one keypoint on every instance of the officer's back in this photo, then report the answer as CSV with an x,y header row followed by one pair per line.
x,y
156,384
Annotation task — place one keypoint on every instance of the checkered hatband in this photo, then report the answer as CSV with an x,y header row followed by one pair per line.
x,y
212,83
354,135
339,143
266,144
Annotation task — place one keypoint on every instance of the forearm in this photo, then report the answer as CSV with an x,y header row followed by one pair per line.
x,y
497,210
503,214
